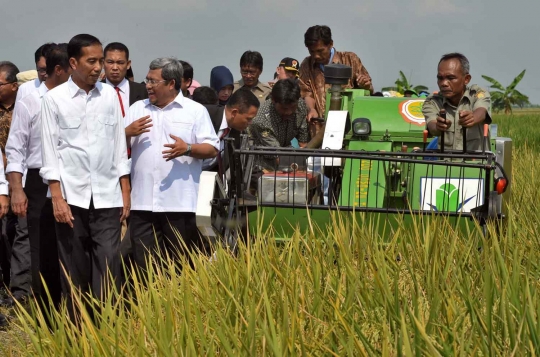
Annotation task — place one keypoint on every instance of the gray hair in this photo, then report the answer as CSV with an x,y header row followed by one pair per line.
x,y
171,69
465,66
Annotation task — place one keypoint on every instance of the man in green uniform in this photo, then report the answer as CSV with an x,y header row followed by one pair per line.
x,y
467,107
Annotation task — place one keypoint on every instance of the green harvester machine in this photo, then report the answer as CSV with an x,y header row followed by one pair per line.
x,y
374,166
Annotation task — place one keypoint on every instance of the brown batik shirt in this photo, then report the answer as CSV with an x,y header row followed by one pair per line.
x,y
312,81
5,123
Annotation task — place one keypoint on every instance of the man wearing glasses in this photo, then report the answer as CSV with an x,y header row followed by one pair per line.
x,y
251,67
166,164
41,68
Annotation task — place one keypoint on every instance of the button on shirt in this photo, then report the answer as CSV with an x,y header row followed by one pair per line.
x,y
24,142
168,186
124,92
84,144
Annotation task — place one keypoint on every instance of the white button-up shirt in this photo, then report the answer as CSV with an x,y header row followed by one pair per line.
x,y
23,146
124,92
168,186
84,144
27,88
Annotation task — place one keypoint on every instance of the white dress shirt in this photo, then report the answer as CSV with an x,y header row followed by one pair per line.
x,y
23,148
211,162
168,186
124,92
84,144
27,88
3,182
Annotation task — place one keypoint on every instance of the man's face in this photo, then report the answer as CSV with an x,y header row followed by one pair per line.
x,y
225,93
88,67
116,66
41,68
250,75
321,52
286,110
8,91
451,80
160,93
240,121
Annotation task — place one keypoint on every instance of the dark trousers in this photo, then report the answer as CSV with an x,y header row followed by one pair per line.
x,y
153,232
42,233
21,277
89,252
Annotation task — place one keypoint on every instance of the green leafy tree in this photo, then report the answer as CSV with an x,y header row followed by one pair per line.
x,y
504,98
403,84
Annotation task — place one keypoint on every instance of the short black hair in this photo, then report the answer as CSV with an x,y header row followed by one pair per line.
x,y
188,70
205,95
116,46
243,99
318,33
286,91
252,58
11,71
77,43
42,51
57,56
465,66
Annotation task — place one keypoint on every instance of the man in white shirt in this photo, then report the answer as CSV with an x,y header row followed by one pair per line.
x,y
166,164
23,149
85,163
41,68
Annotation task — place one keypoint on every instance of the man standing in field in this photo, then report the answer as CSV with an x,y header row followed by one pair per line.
x,y
86,166
467,107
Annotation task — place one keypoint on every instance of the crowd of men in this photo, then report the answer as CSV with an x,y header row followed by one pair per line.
x,y
101,167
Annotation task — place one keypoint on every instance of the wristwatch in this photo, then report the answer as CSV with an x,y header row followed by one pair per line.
x,y
188,151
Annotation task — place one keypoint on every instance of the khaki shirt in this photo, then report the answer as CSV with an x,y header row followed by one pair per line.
x,y
261,90
312,83
473,98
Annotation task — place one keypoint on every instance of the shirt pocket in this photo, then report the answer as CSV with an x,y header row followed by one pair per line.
x,y
181,128
69,128
105,126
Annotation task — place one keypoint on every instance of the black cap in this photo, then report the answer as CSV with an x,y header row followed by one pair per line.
x,y
290,64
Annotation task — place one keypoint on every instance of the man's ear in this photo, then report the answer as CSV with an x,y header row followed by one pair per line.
x,y
129,64
73,63
467,78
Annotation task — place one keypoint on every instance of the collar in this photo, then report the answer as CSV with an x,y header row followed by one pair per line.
x,y
258,85
124,85
224,124
332,53
42,90
179,99
74,89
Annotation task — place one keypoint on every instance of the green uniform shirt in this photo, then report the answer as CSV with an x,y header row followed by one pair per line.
x,y
261,90
473,98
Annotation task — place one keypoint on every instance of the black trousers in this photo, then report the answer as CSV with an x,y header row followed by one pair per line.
x,y
89,252
153,232
21,276
42,233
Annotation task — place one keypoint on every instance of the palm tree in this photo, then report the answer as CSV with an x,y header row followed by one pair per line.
x,y
505,98
403,84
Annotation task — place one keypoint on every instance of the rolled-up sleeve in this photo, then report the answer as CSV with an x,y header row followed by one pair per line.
x,y
120,151
17,143
430,109
50,170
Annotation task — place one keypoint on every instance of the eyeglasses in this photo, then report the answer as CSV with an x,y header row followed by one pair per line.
x,y
152,82
248,73
3,84
41,70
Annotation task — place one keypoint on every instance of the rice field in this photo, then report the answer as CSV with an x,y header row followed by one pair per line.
x,y
333,291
